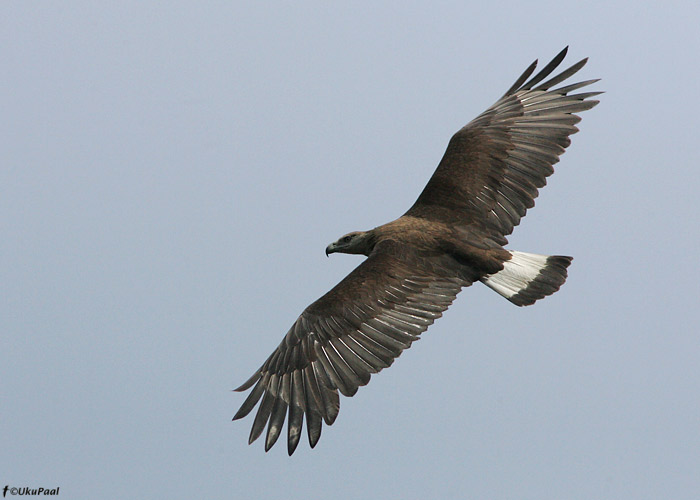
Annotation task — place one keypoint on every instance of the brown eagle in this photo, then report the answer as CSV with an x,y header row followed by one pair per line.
x,y
452,236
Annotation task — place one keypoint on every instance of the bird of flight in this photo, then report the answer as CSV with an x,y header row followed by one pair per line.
x,y
452,236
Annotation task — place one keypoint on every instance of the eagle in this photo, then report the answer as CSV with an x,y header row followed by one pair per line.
x,y
453,235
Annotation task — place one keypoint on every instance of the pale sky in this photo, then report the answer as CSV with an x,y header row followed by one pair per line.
x,y
173,171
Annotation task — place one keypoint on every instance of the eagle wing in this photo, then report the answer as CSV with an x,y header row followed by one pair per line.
x,y
356,329
493,167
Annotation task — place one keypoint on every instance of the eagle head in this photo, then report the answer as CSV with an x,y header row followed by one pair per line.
x,y
357,242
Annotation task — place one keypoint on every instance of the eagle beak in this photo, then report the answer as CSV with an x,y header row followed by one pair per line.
x,y
330,249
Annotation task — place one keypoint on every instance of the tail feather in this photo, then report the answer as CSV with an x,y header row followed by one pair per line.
x,y
528,277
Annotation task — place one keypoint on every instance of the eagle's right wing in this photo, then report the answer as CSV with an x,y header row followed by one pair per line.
x,y
356,329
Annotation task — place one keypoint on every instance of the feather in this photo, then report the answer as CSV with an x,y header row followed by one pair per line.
x,y
296,422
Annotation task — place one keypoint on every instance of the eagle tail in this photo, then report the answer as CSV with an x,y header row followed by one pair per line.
x,y
528,277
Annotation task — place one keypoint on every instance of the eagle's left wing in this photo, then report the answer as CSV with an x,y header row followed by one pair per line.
x,y
493,167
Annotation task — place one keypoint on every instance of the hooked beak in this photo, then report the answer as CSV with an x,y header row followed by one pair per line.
x,y
330,249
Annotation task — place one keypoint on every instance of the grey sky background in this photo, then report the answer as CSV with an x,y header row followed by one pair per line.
x,y
172,172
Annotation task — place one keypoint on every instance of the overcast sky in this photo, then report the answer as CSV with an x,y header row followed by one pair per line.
x,y
171,172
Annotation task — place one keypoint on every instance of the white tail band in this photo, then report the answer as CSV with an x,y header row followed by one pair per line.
x,y
517,273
